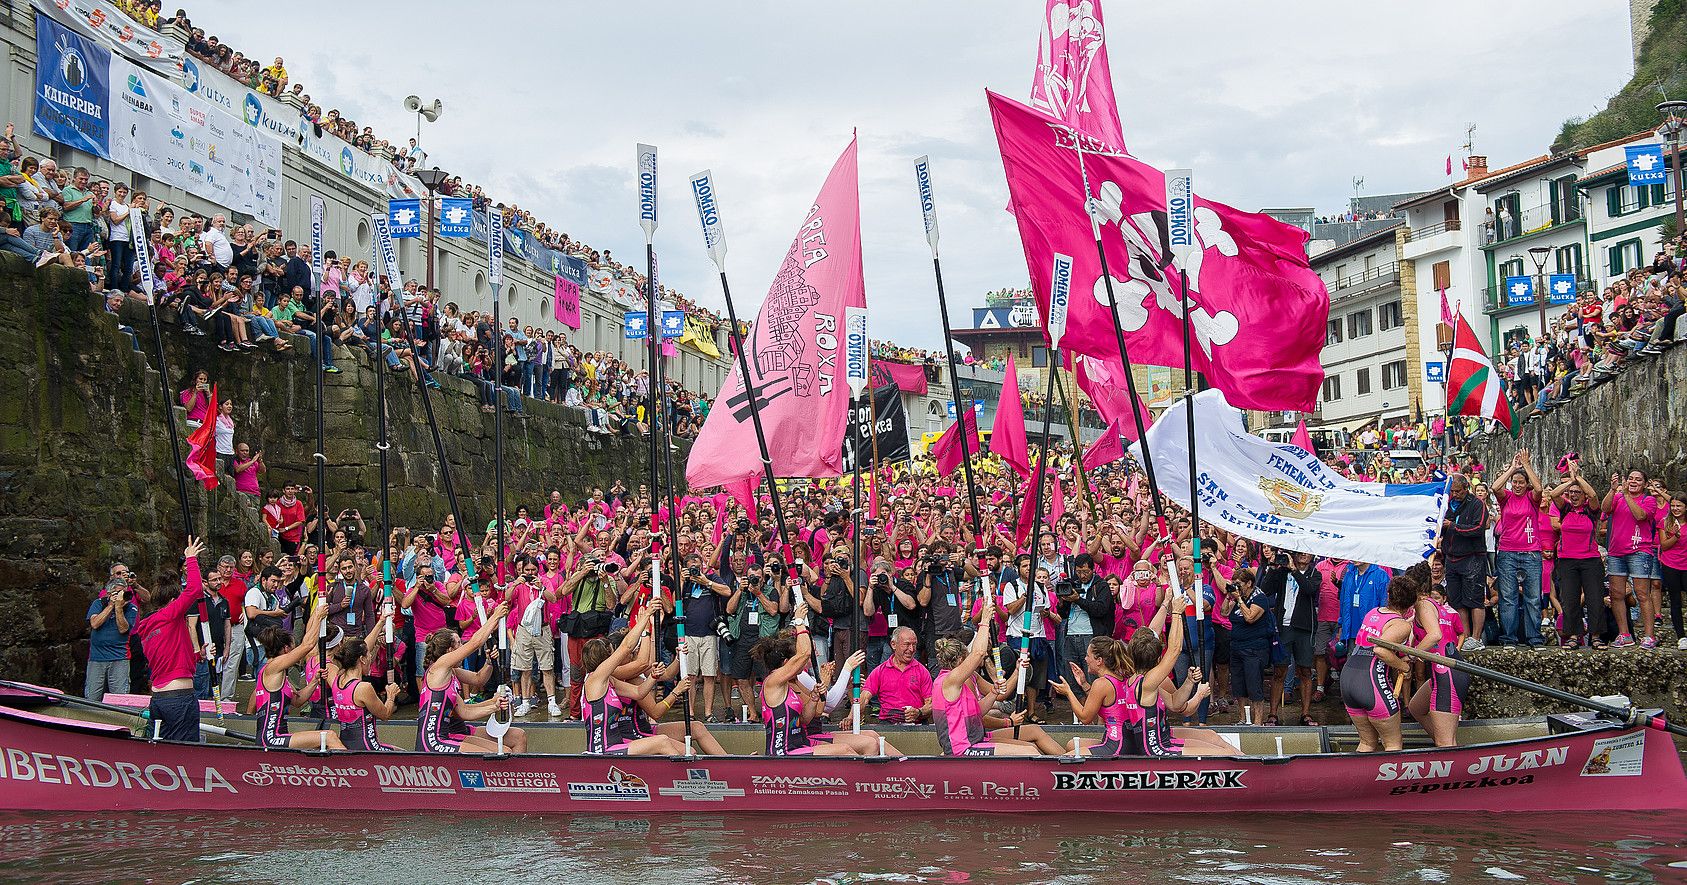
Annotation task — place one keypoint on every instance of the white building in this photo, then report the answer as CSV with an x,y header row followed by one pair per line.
x,y
1533,226
1367,367
1623,222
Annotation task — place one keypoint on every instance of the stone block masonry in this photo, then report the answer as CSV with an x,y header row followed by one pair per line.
x,y
86,473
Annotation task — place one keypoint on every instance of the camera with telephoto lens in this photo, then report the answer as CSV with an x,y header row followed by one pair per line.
x,y
742,526
778,566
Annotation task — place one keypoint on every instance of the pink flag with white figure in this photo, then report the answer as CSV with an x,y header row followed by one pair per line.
x,y
795,351
946,450
1103,380
1007,434
1072,81
1258,311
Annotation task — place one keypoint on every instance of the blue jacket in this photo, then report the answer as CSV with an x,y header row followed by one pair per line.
x,y
1362,589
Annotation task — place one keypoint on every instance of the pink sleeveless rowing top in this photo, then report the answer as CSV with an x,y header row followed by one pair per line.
x,y
1376,620
960,723
357,727
785,732
271,707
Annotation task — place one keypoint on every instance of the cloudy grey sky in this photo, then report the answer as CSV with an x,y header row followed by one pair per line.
x,y
1273,104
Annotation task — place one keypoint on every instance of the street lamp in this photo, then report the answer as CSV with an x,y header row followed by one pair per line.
x,y
430,179
1539,255
1671,129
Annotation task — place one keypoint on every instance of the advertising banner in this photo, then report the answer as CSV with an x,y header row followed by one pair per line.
x,y
72,88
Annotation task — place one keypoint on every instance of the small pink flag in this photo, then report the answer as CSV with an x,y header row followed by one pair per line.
x,y
566,303
1007,433
1103,380
1303,439
947,450
1109,448
1447,315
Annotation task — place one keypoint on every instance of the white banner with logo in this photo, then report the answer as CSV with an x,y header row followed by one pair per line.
x,y
1283,496
161,131
116,30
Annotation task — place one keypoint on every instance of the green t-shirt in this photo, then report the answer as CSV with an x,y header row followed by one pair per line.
x,y
83,214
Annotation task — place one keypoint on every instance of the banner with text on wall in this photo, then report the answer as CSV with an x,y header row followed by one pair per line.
x,y
114,30
72,93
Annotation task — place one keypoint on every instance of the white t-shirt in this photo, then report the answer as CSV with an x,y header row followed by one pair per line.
x,y
119,229
216,242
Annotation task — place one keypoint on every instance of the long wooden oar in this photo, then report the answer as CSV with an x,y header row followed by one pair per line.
x,y
109,708
1631,714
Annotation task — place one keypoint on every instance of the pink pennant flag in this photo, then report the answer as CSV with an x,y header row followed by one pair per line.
x,y
1007,434
1447,314
1073,82
1103,380
1303,439
1109,448
946,451
1258,310
795,351
566,303
1057,499
907,377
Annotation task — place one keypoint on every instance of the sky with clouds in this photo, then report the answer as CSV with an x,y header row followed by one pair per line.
x,y
1272,104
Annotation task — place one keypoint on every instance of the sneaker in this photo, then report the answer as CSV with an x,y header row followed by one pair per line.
x,y
331,370
1681,643
1648,643
524,709
1470,643
552,708
1623,640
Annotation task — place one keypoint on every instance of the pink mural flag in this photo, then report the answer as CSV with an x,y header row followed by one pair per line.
x,y
1302,438
567,303
1257,310
795,351
1073,82
1007,434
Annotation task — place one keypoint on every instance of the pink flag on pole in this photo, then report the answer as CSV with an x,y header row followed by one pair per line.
x,y
1057,499
1103,380
567,303
1302,438
1073,81
946,451
795,352
1007,434
1447,313
1258,310
1109,448
908,378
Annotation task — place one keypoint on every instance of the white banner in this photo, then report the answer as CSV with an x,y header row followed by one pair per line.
x,y
116,30
318,215
1283,496
256,109
162,132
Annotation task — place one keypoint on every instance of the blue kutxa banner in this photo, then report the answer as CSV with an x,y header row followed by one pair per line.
x,y
72,89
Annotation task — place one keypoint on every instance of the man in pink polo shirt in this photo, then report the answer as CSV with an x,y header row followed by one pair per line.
x,y
902,684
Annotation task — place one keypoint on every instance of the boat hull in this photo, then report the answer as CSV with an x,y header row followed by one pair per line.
x,y
57,764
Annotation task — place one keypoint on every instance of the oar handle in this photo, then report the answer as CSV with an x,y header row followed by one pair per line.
x,y
1630,714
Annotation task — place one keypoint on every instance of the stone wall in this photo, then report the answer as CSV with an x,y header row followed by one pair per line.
x,y
1638,420
86,472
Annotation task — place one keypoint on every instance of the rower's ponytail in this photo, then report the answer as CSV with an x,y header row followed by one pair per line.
x,y
950,652
1144,650
1113,655
275,641
439,642
350,653
774,651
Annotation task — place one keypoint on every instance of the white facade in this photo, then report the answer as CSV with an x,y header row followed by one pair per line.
x,y
1444,248
1365,360
1538,229
1623,222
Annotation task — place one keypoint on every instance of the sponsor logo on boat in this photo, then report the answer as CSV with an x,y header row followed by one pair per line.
x,y
414,779
302,775
1219,779
1616,756
1470,784
896,788
509,781
1436,769
786,785
989,790
73,771
699,787
619,786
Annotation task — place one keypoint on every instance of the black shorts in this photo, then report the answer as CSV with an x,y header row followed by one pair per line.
x,y
1467,582
1221,644
1298,644
735,659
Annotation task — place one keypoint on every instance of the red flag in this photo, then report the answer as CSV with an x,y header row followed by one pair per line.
x,y
1257,310
1109,448
1449,164
1007,434
1303,439
202,446
947,450
1473,386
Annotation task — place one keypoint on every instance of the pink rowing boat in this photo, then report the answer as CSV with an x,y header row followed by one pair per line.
x,y
56,759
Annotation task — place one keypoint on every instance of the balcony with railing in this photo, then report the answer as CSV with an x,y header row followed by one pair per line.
x,y
1364,282
1421,241
1529,222
1496,297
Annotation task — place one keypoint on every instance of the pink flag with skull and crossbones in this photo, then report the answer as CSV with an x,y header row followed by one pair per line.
x,y
1257,312
1073,81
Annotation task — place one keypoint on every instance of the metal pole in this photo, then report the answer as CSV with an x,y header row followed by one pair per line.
x,y
170,419
322,346
652,336
1042,462
755,419
963,406
498,432
396,284
1071,404
1194,481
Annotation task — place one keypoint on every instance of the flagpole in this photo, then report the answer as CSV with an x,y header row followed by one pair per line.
x,y
714,237
963,406
381,448
1180,210
1077,439
170,416
323,349
495,269
856,356
1042,461
1093,211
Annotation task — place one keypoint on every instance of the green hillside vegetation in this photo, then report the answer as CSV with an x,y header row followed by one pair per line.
x,y
1662,66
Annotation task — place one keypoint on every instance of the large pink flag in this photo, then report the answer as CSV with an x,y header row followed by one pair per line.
x,y
1107,449
1103,380
946,451
1007,434
1258,311
566,303
1073,82
795,352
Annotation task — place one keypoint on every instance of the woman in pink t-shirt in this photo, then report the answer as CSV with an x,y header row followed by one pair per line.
x,y
1672,560
1517,558
1578,571
197,398
1632,562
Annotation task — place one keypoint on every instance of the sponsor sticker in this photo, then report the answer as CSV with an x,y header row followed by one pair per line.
x,y
800,785
697,786
1623,756
54,768
414,779
1162,779
302,775
896,788
509,781
619,786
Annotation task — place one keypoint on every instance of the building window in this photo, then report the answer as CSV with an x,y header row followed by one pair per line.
x,y
1388,316
1039,357
1362,382
1623,257
1565,206
1569,260
1394,375
1443,274
1332,388
1359,323
1333,336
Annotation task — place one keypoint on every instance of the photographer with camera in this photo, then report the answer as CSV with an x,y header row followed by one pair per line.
x,y
591,591
705,597
846,602
943,574
110,618
428,601
1087,605
755,610
1294,583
